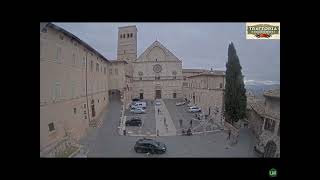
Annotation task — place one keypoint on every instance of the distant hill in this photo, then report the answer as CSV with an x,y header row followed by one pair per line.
x,y
258,88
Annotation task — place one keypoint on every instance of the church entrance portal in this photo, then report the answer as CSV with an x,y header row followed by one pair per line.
x,y
158,94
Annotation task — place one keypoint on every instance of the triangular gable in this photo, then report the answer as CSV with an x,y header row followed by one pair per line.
x,y
169,55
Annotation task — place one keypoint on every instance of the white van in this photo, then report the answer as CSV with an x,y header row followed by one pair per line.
x,y
139,105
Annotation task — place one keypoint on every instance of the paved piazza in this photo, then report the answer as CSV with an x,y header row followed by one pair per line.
x,y
107,142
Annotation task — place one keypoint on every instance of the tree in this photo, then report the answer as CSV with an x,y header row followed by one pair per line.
x,y
235,92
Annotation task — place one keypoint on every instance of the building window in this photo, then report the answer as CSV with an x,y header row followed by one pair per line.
x,y
269,125
220,85
104,70
140,78
157,78
58,54
98,100
51,127
174,77
83,62
97,67
57,90
279,130
120,36
91,65
61,37
104,98
74,110
84,105
110,71
44,30
116,71
72,89
73,59
127,35
184,78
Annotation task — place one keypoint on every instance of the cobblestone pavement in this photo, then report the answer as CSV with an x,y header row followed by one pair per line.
x,y
106,141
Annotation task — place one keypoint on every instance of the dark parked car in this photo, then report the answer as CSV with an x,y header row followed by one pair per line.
x,y
150,146
134,122
135,99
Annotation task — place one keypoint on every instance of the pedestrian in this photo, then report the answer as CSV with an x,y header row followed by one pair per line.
x,y
229,134
190,123
157,132
180,121
124,132
158,111
165,120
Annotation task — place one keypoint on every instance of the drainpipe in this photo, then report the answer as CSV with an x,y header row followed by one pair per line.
x,y
87,85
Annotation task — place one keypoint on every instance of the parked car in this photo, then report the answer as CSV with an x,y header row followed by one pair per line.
x,y
137,110
157,103
139,104
194,109
150,146
180,103
135,99
135,121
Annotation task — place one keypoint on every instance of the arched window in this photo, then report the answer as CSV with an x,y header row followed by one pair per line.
x,y
120,36
128,35
131,35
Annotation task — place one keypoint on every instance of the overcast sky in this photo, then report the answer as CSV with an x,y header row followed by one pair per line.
x,y
198,45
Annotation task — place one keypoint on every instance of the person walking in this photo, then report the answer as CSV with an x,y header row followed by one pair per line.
x,y
165,122
191,123
180,122
158,111
229,134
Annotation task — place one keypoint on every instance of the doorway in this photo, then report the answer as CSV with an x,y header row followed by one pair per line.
x,y
158,94
141,95
174,95
270,149
92,108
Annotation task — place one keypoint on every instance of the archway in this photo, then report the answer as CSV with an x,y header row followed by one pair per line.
x,y
270,149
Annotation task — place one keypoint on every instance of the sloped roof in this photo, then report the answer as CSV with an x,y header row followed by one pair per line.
x,y
273,93
169,55
70,35
210,73
194,70
257,105
118,61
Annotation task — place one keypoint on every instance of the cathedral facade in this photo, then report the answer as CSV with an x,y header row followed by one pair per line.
x,y
156,73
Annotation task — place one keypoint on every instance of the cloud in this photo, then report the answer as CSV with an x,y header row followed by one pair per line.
x,y
198,45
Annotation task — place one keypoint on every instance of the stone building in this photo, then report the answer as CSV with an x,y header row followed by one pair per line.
x,y
157,74
269,139
206,90
255,115
73,86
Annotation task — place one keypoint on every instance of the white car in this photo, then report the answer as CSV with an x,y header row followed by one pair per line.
x,y
194,109
157,103
180,103
137,111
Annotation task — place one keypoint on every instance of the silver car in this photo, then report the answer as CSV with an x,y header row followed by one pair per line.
x,y
138,111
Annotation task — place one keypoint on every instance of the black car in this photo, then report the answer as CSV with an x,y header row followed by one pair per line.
x,y
134,122
150,146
